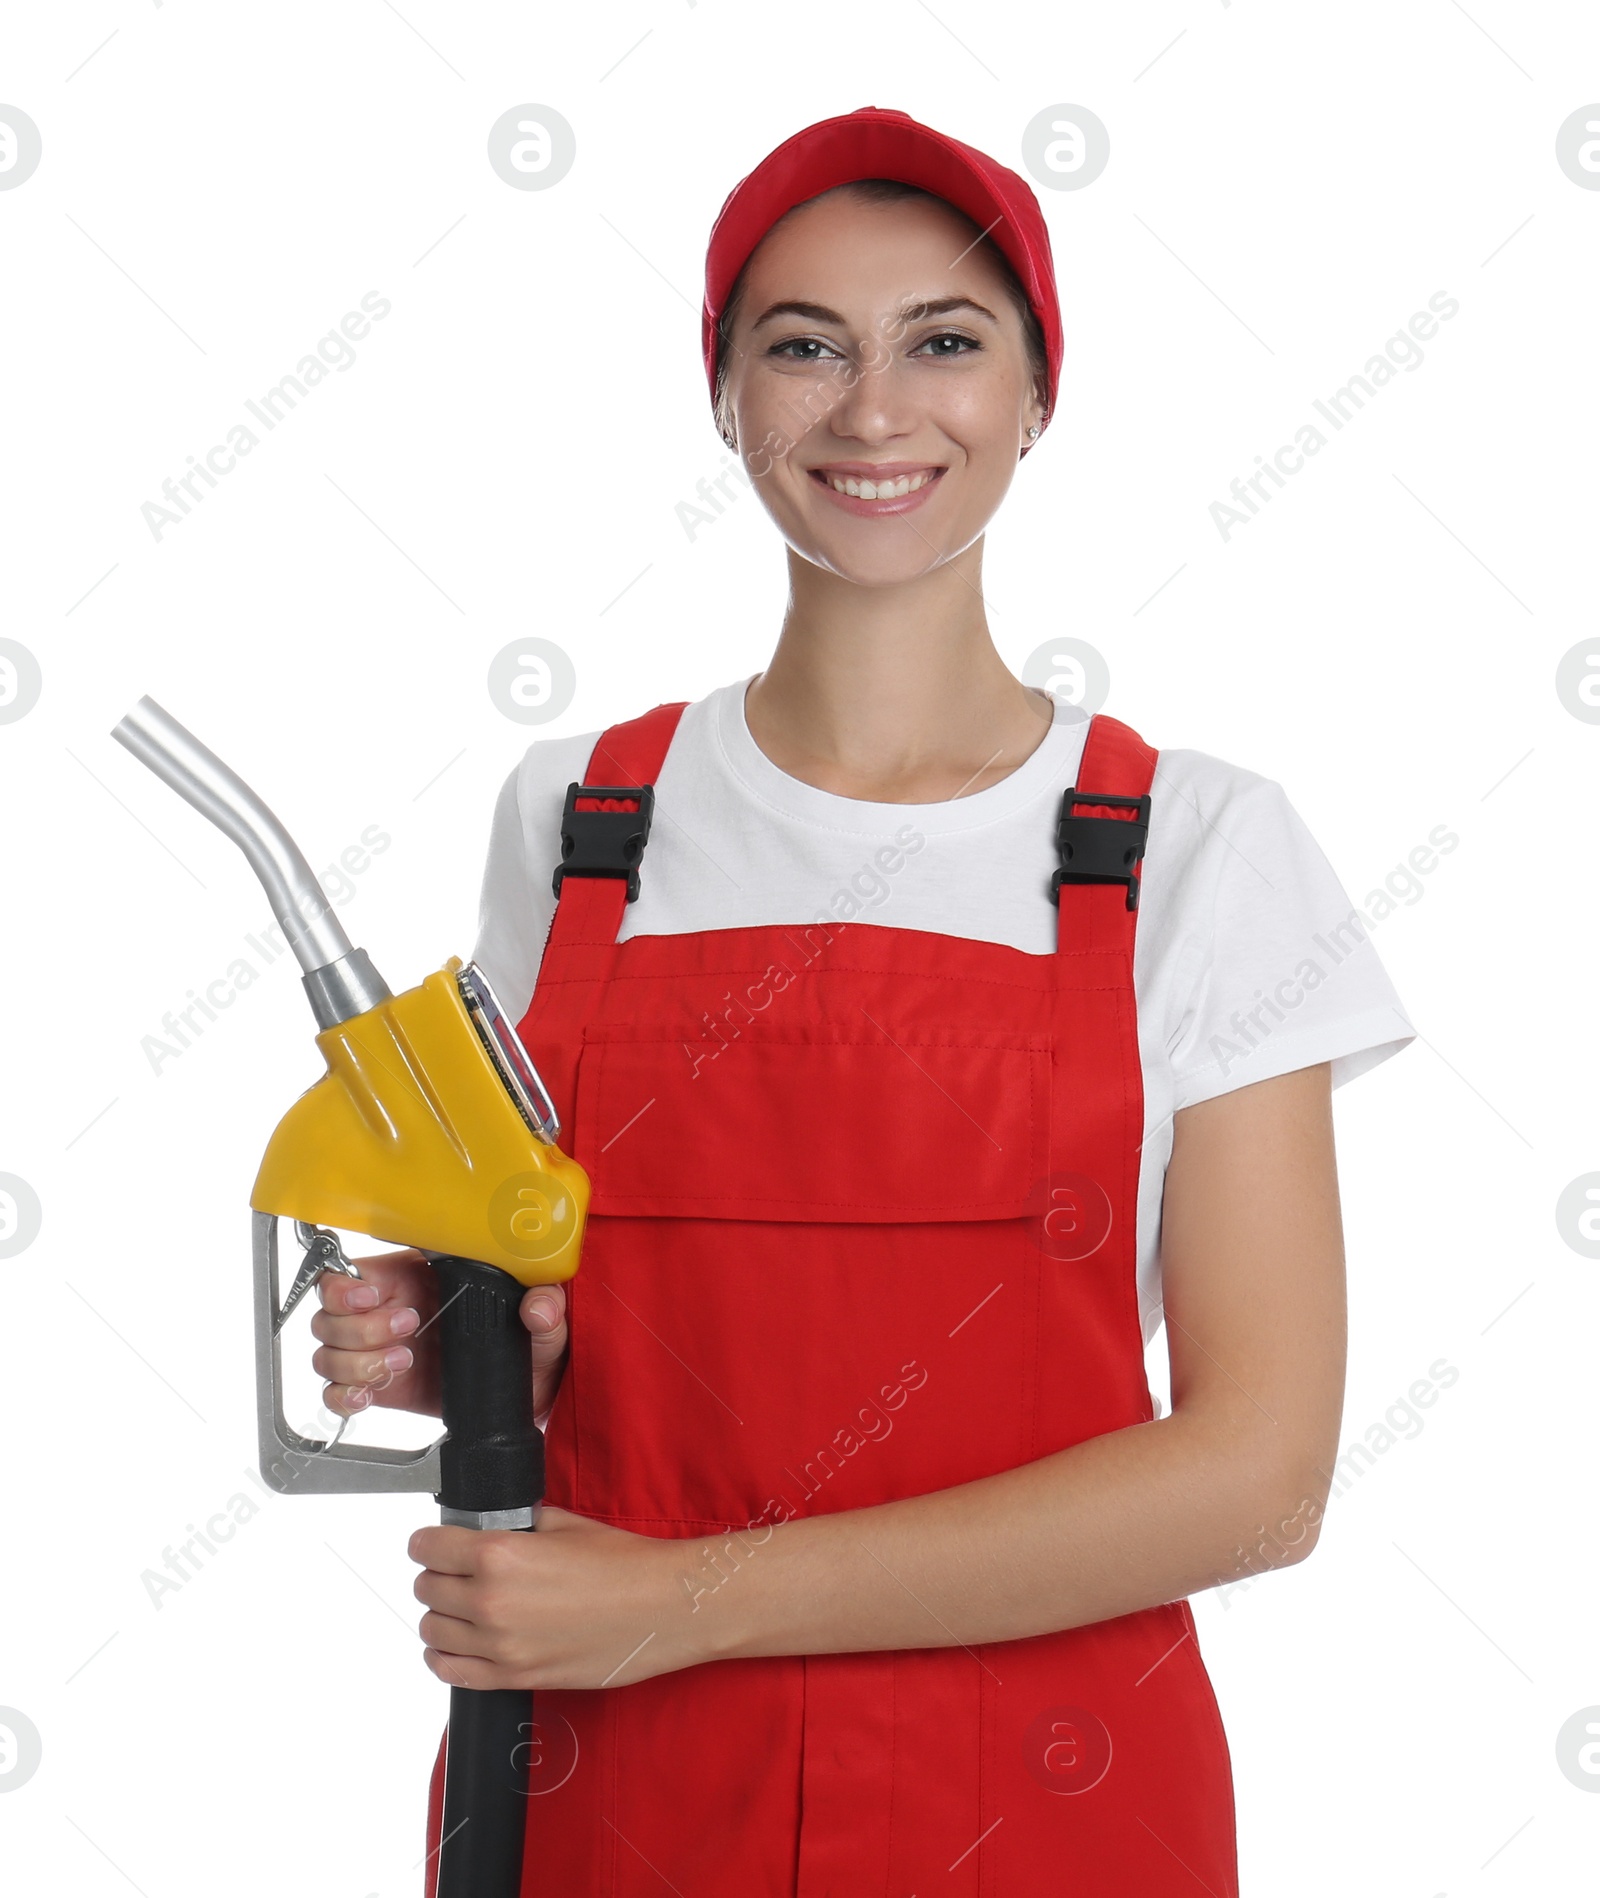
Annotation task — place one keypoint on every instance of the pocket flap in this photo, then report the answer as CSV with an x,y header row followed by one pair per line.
x,y
816,1125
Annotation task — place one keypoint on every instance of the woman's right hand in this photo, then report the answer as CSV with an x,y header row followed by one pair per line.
x,y
379,1344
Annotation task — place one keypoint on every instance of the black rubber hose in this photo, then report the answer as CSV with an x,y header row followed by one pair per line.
x,y
492,1458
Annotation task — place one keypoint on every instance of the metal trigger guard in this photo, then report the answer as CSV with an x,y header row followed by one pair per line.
x,y
309,1466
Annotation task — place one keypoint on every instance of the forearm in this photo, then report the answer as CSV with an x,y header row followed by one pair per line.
x,y
1121,1522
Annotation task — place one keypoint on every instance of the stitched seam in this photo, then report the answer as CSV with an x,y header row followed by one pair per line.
x,y
986,1723
702,1525
1038,1269
613,1722
1041,988
810,1199
894,1735
1208,1694
972,1041
1132,1164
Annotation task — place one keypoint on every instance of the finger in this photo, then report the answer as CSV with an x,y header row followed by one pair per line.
x,y
553,1520
461,1671
365,1331
390,1274
460,1640
361,1367
545,1316
337,1293
547,1346
448,1550
346,1399
458,1596
544,1312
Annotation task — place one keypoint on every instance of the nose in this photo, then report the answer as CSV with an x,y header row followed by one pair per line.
x,y
879,403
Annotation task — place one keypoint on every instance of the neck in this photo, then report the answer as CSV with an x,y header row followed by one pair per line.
x,y
893,694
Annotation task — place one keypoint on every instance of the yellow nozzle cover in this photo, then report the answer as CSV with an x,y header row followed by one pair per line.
x,y
412,1137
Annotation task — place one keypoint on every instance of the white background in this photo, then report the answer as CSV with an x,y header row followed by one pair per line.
x,y
1287,185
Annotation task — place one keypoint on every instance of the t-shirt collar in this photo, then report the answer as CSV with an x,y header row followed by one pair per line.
x,y
1052,762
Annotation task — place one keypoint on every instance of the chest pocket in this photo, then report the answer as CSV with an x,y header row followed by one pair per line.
x,y
825,1124
807,1264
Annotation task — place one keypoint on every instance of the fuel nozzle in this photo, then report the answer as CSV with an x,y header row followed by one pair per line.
x,y
431,1128
340,981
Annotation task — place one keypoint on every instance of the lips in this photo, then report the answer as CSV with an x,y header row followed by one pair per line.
x,y
883,481
874,489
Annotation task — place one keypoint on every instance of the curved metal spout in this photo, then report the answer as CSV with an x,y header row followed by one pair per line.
x,y
340,980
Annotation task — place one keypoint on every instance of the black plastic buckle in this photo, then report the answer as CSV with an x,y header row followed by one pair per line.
x,y
605,843
1100,849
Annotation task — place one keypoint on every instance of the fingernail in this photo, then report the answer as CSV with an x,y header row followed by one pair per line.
x,y
398,1358
359,1399
403,1320
547,1311
363,1297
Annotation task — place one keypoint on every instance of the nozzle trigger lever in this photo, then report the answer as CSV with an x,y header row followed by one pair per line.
x,y
323,1254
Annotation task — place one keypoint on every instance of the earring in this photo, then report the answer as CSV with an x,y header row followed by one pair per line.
x,y
1033,430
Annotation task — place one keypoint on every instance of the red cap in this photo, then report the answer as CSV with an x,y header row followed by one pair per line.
x,y
877,142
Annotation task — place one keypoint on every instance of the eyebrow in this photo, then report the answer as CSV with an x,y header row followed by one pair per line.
x,y
915,308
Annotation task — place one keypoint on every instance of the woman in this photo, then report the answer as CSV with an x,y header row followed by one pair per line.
x,y
865,1558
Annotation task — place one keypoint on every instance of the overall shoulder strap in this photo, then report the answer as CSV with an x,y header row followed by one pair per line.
x,y
632,752
1100,836
605,827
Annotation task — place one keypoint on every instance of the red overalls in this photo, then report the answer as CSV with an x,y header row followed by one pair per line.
x,y
863,1227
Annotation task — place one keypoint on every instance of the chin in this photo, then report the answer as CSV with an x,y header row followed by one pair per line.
x,y
890,568
886,555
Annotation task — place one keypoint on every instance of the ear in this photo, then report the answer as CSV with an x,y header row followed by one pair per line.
x,y
1035,415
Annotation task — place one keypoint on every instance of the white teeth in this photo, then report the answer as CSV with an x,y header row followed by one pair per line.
x,y
880,490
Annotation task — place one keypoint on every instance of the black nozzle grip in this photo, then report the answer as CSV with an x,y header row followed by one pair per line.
x,y
493,1456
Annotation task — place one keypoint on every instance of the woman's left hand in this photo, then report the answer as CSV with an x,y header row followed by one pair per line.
x,y
574,1603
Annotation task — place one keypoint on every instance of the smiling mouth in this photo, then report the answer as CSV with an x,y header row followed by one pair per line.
x,y
857,487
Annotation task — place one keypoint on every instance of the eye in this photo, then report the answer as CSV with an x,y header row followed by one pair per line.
x,y
948,336
781,350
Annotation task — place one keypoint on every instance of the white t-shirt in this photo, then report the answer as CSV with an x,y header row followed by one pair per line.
x,y
1249,959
